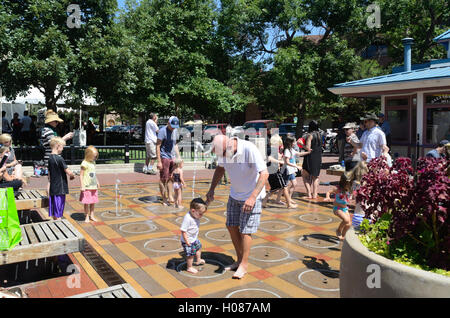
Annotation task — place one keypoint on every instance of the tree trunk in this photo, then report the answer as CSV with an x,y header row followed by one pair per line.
x,y
50,102
50,99
101,119
300,119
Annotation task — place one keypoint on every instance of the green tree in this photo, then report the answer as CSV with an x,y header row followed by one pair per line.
x,y
302,67
422,20
179,40
39,49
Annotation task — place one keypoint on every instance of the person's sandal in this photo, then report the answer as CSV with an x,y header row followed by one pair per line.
x,y
239,276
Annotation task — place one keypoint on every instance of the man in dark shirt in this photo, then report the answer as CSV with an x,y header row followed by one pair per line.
x,y
166,151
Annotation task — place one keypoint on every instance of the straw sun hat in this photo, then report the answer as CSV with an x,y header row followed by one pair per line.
x,y
52,116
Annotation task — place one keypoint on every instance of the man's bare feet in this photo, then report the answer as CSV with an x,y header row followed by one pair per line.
x,y
192,270
280,202
292,206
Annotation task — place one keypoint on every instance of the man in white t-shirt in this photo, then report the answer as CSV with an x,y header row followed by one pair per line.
x,y
248,174
151,133
373,140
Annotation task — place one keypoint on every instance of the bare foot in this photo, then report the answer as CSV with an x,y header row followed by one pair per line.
x,y
292,206
192,270
93,218
232,267
86,220
341,237
180,207
200,262
280,202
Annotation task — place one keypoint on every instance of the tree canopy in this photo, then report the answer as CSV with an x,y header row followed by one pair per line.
x,y
209,57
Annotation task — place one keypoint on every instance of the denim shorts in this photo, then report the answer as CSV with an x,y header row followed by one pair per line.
x,y
191,250
248,222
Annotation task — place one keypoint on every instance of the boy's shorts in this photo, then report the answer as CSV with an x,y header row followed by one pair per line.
x,y
248,222
193,249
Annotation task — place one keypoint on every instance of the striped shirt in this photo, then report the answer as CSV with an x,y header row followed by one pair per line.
x,y
47,134
348,149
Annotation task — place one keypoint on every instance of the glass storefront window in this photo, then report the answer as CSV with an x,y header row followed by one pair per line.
x,y
398,119
397,102
438,124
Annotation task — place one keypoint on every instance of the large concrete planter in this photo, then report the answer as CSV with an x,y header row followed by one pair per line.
x,y
366,274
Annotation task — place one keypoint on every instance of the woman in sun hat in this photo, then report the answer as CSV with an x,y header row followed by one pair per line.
x,y
351,153
49,131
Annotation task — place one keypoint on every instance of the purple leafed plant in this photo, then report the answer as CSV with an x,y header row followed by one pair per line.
x,y
418,201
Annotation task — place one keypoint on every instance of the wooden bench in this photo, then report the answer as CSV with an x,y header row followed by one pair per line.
x,y
117,291
335,172
31,199
44,239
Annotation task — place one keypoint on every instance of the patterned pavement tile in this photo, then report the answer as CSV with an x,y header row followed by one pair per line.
x,y
294,253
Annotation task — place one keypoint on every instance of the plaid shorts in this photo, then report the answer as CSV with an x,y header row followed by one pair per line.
x,y
191,250
248,222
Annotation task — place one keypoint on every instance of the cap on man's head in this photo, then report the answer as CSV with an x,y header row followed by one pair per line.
x,y
174,122
442,143
380,115
371,116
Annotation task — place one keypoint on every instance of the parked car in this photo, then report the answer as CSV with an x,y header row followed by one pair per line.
x,y
254,128
286,129
115,128
238,131
212,130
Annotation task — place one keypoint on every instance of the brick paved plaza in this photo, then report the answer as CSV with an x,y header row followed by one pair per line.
x,y
295,253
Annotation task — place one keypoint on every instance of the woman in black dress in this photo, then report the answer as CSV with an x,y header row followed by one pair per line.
x,y
312,162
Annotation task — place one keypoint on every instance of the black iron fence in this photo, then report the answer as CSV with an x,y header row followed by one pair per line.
x,y
75,154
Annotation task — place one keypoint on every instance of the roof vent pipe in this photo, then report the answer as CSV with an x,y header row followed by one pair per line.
x,y
407,43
